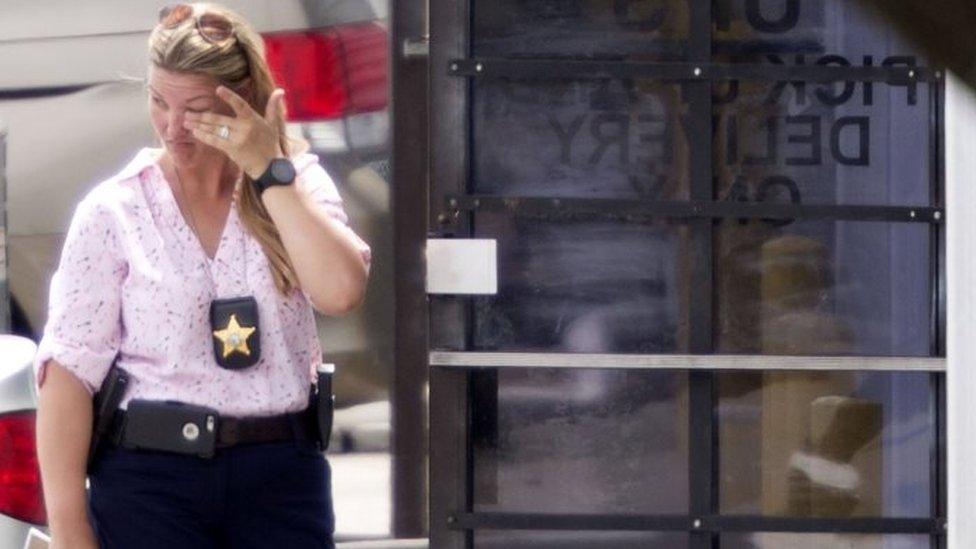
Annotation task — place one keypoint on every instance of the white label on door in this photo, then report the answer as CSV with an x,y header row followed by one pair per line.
x,y
462,266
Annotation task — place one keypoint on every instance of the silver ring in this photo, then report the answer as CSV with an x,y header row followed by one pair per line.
x,y
224,132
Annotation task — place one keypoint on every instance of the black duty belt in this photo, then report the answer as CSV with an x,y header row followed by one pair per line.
x,y
232,431
186,429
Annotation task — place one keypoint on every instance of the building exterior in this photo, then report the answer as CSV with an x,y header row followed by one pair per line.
x,y
960,241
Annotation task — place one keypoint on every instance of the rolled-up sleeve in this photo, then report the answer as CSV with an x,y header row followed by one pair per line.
x,y
84,327
319,186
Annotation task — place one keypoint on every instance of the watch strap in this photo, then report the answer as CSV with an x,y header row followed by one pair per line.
x,y
270,176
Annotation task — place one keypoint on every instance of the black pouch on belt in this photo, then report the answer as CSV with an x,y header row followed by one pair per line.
x,y
170,426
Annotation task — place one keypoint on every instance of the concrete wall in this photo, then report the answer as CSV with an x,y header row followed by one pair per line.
x,y
961,319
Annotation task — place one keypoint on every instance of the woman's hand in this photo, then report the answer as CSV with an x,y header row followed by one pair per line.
x,y
253,141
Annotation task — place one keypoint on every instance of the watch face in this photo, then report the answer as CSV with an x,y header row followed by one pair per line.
x,y
282,171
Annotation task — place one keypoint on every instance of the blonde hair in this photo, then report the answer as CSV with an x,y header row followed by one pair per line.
x,y
236,63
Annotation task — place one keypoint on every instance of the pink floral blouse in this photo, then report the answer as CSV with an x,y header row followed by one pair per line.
x,y
134,283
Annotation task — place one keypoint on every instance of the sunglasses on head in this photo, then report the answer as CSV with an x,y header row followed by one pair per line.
x,y
214,28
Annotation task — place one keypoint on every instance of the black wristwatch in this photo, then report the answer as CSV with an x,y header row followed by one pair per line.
x,y
280,172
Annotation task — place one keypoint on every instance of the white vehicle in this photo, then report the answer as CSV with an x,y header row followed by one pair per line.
x,y
73,108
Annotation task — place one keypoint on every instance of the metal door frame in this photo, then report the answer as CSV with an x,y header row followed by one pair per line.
x,y
409,70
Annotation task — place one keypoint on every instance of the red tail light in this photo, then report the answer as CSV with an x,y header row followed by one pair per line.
x,y
21,496
330,73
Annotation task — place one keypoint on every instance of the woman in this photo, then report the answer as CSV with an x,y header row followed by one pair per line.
x,y
195,270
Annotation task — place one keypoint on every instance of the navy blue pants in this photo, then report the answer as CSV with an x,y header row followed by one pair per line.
x,y
251,496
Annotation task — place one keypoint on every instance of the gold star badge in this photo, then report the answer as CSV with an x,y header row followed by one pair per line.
x,y
234,337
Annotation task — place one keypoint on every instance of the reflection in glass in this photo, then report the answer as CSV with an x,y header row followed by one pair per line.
x,y
535,539
642,29
807,143
582,441
823,288
783,30
770,540
589,139
825,444
584,285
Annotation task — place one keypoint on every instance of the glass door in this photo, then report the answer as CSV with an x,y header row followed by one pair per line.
x,y
719,313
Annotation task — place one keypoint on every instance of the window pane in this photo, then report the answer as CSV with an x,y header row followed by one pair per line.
x,y
593,139
767,540
584,286
537,539
807,143
581,28
823,288
833,32
581,441
825,444
828,144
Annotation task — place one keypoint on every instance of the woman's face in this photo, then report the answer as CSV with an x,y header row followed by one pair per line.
x,y
173,94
